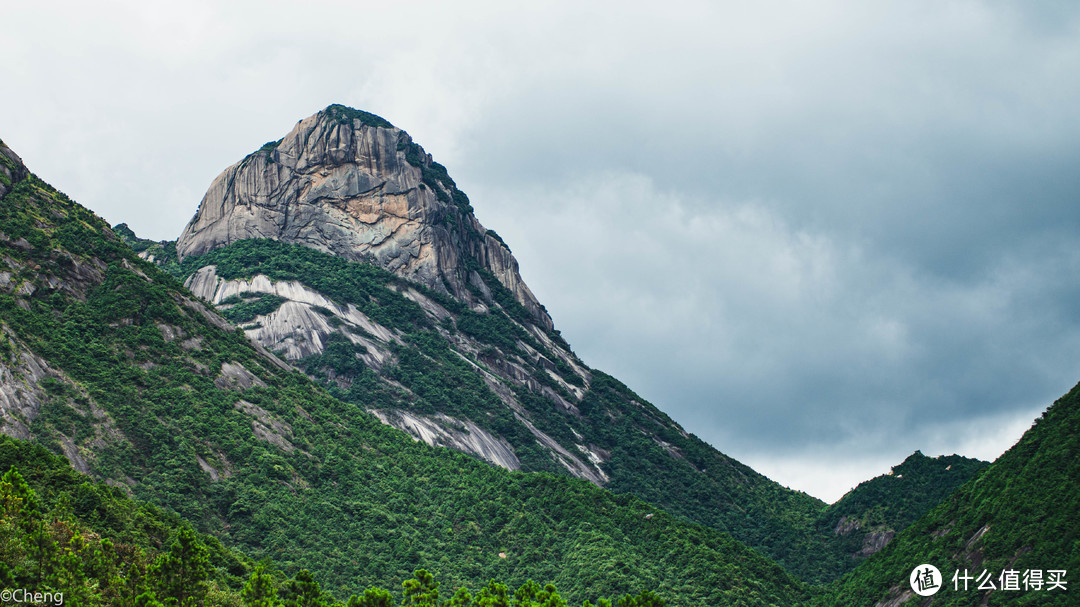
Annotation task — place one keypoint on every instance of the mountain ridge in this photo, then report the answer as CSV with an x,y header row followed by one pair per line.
x,y
869,516
153,392
489,365
1017,514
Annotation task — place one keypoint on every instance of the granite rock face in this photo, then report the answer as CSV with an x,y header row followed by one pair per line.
x,y
350,184
445,431
21,396
305,322
12,169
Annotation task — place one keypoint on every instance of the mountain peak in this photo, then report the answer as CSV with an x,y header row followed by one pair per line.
x,y
348,182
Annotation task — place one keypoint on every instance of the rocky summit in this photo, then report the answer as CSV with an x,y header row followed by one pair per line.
x,y
349,183
349,252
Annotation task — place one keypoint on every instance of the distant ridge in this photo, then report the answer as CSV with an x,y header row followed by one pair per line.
x,y
1019,514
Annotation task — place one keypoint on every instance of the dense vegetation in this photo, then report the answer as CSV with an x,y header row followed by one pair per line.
x,y
240,310
437,379
650,455
62,533
1019,514
688,477
891,502
344,114
82,543
161,253
275,466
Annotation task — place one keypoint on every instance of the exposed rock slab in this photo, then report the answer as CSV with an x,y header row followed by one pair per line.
x,y
875,541
20,395
572,463
444,431
296,329
234,375
267,427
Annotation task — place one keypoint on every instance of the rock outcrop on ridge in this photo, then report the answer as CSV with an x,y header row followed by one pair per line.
x,y
349,183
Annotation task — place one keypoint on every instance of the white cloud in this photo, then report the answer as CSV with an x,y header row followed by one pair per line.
x,y
828,472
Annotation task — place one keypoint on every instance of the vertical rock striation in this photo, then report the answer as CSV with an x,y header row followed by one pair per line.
x,y
349,183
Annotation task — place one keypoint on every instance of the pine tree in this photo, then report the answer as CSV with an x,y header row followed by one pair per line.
x,y
422,590
493,595
70,573
43,552
182,572
17,499
461,598
302,591
132,585
372,597
532,595
260,590
101,566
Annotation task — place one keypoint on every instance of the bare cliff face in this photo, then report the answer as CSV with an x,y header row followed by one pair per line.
x,y
351,184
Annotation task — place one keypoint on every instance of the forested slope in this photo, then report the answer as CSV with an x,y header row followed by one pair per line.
x,y
68,540
866,518
1018,515
428,365
110,362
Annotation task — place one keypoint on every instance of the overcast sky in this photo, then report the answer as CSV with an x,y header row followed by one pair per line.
x,y
819,235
